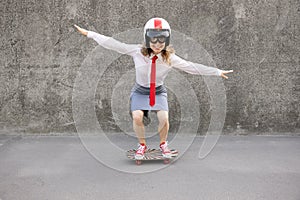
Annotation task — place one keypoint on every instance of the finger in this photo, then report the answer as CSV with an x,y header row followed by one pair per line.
x,y
76,26
224,76
228,71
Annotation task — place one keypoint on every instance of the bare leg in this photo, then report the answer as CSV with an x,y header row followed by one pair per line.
x,y
138,125
163,127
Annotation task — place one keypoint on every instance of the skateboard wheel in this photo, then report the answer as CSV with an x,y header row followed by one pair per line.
x,y
166,161
138,162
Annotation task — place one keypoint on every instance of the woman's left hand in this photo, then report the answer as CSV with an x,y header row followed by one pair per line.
x,y
226,72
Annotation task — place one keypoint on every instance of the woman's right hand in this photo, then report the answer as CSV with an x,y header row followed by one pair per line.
x,y
81,30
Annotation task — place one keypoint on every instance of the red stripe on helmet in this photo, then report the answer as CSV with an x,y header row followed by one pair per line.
x,y
157,24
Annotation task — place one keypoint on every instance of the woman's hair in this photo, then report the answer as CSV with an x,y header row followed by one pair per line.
x,y
166,53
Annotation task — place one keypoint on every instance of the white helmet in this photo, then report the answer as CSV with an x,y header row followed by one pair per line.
x,y
157,27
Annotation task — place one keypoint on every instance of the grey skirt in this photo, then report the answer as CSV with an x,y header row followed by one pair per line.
x,y
139,98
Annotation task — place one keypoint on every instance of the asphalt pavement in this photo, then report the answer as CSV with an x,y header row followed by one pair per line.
x,y
63,167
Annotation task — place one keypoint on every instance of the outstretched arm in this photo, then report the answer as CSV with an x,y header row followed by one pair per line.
x,y
195,68
109,42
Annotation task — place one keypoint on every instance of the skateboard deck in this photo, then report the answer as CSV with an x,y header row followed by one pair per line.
x,y
151,154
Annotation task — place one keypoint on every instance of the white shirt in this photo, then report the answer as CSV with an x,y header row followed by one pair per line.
x,y
143,63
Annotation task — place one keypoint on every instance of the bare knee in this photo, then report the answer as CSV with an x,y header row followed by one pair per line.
x,y
164,122
163,118
137,117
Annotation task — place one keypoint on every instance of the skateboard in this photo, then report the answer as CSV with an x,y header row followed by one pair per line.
x,y
152,154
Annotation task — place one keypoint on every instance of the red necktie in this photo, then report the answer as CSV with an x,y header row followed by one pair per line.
x,y
152,81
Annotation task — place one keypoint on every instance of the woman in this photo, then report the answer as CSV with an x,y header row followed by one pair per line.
x,y
153,60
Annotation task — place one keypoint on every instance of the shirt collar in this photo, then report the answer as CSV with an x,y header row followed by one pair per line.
x,y
158,56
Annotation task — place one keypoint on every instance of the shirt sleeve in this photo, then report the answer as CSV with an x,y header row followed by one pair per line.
x,y
194,68
113,44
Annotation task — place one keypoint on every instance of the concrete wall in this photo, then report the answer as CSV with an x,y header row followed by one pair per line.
x,y
41,54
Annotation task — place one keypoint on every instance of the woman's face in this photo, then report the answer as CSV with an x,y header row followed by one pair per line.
x,y
157,44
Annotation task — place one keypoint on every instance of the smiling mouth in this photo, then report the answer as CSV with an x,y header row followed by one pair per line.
x,y
158,48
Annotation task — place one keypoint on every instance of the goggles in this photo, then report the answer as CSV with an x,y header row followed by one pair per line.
x,y
154,40
157,33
